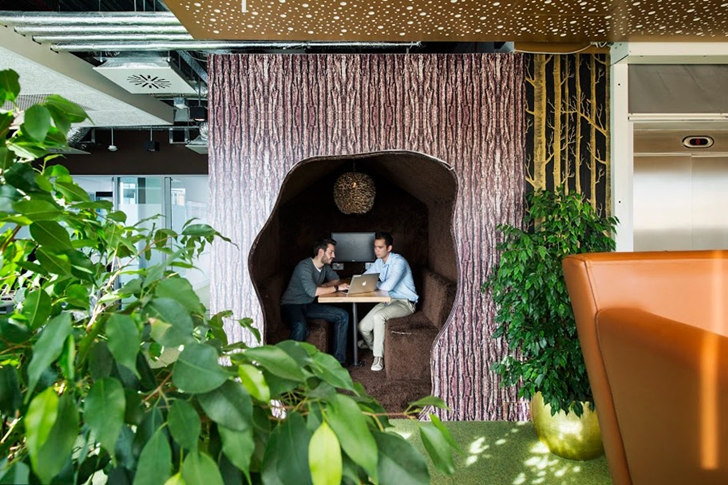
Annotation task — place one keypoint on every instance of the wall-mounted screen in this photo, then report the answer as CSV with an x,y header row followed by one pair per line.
x,y
354,247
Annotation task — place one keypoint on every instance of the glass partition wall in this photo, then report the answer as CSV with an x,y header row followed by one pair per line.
x,y
163,201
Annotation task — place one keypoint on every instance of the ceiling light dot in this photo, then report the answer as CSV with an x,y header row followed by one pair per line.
x,y
310,32
371,13
410,7
423,13
401,34
343,4
197,4
496,4
283,15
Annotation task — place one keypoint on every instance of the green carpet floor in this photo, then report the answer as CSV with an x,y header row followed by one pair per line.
x,y
507,453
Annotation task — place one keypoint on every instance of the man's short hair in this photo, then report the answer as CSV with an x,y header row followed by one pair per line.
x,y
322,244
388,239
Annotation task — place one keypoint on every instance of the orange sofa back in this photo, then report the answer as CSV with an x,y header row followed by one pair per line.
x,y
653,327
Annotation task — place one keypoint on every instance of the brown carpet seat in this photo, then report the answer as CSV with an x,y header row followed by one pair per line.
x,y
275,330
408,340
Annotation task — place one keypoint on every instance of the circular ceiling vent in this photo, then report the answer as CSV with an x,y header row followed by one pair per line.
x,y
698,142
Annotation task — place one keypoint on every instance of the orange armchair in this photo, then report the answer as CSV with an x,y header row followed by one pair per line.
x,y
653,328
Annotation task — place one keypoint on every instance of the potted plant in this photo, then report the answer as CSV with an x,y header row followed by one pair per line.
x,y
136,381
533,310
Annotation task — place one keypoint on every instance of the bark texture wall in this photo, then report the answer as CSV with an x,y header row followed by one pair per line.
x,y
568,124
269,112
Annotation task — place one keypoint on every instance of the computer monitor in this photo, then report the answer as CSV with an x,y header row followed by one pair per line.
x,y
354,247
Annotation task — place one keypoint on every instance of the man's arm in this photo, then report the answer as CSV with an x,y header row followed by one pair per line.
x,y
397,270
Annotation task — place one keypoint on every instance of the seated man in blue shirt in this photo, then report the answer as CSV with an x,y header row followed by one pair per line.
x,y
395,276
313,277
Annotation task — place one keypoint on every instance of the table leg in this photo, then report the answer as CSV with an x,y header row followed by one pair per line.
x,y
357,362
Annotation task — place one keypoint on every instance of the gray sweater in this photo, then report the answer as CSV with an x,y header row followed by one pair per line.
x,y
304,281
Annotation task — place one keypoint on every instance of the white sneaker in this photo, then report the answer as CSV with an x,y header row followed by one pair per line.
x,y
378,364
363,345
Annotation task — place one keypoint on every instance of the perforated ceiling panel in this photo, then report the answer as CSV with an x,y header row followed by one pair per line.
x,y
455,20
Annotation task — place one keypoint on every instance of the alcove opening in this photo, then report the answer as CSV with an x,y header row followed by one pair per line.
x,y
415,197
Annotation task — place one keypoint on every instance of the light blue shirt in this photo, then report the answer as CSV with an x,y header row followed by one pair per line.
x,y
395,276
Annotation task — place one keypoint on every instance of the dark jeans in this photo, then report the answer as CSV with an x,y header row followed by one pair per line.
x,y
295,317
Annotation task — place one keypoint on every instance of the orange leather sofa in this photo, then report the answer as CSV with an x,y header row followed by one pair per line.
x,y
653,327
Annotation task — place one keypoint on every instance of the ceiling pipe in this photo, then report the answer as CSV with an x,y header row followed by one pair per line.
x,y
213,45
9,17
98,29
60,38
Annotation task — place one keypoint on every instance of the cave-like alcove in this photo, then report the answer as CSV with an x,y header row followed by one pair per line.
x,y
415,197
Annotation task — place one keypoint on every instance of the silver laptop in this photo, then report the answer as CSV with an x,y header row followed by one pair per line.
x,y
363,283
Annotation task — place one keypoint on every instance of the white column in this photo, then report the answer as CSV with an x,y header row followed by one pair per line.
x,y
622,164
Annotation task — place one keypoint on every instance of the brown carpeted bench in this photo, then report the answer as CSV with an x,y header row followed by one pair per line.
x,y
408,340
275,329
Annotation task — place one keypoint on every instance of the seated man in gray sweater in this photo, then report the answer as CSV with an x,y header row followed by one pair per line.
x,y
313,277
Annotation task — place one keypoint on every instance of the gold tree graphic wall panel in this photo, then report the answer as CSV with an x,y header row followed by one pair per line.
x,y
567,124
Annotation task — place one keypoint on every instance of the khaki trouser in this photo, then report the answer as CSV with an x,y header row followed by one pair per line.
x,y
372,326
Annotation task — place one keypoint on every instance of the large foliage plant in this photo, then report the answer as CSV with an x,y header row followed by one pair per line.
x,y
533,310
135,382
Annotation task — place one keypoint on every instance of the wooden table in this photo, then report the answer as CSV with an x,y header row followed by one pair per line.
x,y
378,296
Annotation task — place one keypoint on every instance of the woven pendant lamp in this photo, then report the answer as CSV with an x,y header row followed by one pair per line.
x,y
354,193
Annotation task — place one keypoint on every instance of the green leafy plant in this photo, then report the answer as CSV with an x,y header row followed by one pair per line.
x,y
533,310
136,381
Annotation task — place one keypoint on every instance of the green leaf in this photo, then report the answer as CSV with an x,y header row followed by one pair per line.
x,y
37,122
51,235
292,448
48,348
104,411
8,196
238,446
67,359
72,191
275,361
124,339
36,308
37,210
324,457
328,369
438,448
444,431
254,381
197,369
22,177
155,461
350,427
10,397
101,362
39,419
433,401
171,322
184,424
18,472
399,461
74,112
55,453
199,468
54,263
181,290
229,405
9,85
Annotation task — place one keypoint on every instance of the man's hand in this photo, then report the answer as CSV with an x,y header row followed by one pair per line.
x,y
343,286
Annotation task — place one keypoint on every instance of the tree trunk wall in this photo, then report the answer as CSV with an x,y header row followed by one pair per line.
x,y
268,112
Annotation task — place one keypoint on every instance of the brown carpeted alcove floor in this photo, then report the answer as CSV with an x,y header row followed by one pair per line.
x,y
393,395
